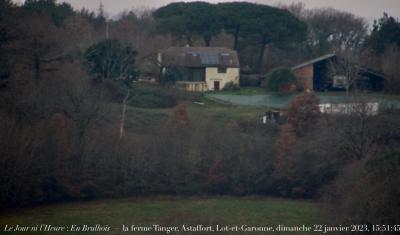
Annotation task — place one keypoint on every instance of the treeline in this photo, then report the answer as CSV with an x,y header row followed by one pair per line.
x,y
249,28
346,160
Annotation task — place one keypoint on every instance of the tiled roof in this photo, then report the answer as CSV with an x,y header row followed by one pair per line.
x,y
200,57
313,61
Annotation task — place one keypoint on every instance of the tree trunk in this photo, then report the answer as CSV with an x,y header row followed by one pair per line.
x,y
260,57
207,40
235,42
348,79
36,59
236,39
121,127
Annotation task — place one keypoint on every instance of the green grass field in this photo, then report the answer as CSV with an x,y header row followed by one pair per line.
x,y
168,211
226,112
149,120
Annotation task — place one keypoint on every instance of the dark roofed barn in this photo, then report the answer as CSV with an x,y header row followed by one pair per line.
x,y
315,75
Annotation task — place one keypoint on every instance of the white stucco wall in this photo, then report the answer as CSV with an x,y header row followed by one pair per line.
x,y
231,75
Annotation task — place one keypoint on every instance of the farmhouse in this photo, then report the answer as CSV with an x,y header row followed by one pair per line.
x,y
315,75
202,68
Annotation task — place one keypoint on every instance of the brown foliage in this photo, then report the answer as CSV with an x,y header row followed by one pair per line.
x,y
284,146
367,192
286,140
181,117
216,175
303,112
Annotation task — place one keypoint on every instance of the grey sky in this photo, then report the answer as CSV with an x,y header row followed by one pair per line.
x,y
370,9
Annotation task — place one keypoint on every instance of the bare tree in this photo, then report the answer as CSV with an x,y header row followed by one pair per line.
x,y
296,8
333,30
344,70
38,45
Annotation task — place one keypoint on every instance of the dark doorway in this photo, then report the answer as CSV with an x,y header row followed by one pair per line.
x,y
216,85
321,78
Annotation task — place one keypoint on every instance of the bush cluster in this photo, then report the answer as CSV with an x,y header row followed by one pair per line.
x,y
354,193
280,80
76,151
230,86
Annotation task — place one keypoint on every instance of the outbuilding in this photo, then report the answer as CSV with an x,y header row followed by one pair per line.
x,y
316,75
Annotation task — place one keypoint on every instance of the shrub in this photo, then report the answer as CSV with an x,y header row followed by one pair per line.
x,y
230,86
152,97
115,91
170,76
303,112
368,191
285,142
111,59
280,80
250,80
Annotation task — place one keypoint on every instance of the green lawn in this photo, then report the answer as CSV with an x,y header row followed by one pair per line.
x,y
149,120
168,211
145,120
226,112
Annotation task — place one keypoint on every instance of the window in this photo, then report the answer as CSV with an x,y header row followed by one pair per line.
x,y
221,70
339,81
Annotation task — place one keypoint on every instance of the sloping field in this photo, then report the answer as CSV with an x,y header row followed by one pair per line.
x,y
163,212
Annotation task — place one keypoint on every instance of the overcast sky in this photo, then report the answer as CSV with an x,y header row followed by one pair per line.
x,y
370,9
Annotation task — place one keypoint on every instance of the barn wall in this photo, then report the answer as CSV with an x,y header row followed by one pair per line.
x,y
304,77
231,75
